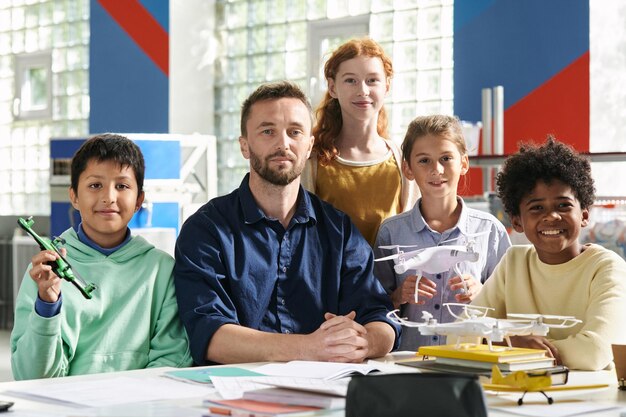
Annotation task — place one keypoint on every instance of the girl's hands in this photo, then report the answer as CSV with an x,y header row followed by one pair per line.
x,y
406,292
427,289
473,287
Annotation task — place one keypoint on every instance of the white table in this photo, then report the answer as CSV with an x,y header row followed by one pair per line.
x,y
192,407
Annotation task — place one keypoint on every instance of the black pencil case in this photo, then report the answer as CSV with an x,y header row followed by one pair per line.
x,y
413,394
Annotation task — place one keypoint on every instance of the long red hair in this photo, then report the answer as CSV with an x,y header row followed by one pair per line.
x,y
328,113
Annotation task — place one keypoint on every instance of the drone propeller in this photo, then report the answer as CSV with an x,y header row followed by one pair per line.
x,y
397,246
393,316
387,258
519,320
535,316
466,235
467,310
395,255
565,321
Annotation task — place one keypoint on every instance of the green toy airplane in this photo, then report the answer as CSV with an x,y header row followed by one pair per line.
x,y
60,266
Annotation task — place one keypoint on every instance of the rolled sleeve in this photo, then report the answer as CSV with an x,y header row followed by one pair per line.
x,y
46,309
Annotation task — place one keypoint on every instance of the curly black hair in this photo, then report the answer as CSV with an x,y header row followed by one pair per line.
x,y
551,161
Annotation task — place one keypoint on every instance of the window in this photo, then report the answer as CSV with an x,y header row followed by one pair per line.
x,y
44,93
33,86
324,37
262,41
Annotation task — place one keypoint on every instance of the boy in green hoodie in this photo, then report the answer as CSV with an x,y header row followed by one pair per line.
x,y
132,320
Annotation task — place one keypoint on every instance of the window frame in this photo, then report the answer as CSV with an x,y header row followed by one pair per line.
x,y
318,31
23,64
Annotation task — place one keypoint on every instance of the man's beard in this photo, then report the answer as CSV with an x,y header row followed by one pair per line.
x,y
276,177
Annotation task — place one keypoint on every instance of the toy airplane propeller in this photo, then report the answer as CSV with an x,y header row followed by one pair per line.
x,y
473,322
532,381
434,260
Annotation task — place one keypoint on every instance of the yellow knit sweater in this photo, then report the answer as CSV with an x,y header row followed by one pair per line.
x,y
590,287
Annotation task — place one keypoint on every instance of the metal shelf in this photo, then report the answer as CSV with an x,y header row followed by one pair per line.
x,y
497,160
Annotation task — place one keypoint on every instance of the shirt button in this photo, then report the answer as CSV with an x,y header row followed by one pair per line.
x,y
437,306
282,301
284,269
287,332
438,276
435,338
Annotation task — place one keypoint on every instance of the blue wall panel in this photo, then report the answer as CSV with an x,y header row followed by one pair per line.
x,y
517,44
128,92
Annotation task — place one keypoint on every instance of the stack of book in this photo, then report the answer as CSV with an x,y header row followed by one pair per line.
x,y
479,359
272,402
247,408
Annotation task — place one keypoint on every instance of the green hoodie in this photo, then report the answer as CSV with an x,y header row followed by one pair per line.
x,y
130,323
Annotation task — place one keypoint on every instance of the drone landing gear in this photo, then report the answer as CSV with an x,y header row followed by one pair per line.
x,y
417,284
457,271
521,400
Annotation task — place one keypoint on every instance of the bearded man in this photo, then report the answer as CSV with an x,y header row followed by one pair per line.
x,y
270,272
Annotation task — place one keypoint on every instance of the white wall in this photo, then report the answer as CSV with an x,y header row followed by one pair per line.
x,y
192,54
607,38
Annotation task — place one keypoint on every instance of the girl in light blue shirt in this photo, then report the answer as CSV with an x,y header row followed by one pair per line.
x,y
435,157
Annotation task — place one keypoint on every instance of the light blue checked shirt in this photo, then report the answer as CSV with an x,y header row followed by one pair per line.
x,y
409,228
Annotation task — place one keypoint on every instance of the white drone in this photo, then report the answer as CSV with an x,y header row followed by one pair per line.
x,y
433,260
473,322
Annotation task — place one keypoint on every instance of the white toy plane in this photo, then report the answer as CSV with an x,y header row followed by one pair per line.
x,y
473,322
433,260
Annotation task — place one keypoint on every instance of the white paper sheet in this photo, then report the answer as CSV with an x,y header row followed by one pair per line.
x,y
313,369
231,388
114,391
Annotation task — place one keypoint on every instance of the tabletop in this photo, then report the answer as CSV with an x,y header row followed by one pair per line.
x,y
499,405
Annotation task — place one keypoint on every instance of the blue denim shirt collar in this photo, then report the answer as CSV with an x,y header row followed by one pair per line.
x,y
419,223
252,213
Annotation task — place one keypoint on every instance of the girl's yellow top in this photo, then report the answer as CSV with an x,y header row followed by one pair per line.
x,y
368,192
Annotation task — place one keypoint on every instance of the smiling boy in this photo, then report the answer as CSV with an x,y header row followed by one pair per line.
x,y
132,320
547,192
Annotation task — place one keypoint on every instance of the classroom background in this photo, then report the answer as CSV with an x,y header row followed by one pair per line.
x,y
172,75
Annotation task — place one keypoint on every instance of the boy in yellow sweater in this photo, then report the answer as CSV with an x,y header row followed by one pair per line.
x,y
547,192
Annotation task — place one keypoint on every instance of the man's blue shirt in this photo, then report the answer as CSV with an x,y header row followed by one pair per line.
x,y
236,265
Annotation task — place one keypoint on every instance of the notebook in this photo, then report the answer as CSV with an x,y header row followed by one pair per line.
x,y
248,408
295,397
477,352
516,365
314,369
203,375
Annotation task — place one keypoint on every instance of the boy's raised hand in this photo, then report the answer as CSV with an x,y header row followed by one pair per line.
x,y
48,283
406,292
473,287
